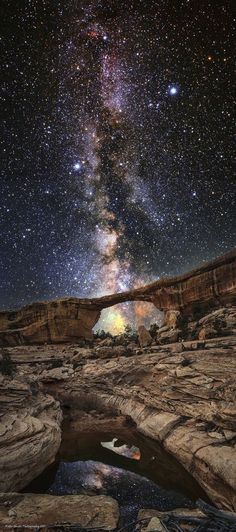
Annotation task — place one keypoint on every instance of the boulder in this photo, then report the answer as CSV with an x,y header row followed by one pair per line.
x,y
144,336
57,374
208,331
169,337
173,319
103,352
132,347
107,342
155,525
96,512
119,350
121,339
109,352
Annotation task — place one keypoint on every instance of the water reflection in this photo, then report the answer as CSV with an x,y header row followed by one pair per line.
x,y
130,451
154,463
84,466
132,491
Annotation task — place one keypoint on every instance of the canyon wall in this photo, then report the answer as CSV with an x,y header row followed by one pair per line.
x,y
192,294
60,321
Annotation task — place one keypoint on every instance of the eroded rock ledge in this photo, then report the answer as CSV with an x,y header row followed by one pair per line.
x,y
65,320
30,433
182,395
97,512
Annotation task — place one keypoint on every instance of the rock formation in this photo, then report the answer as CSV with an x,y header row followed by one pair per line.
x,y
179,390
63,320
191,295
204,518
145,338
30,433
181,395
31,511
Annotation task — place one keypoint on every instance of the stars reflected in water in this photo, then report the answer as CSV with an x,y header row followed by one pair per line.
x,y
132,491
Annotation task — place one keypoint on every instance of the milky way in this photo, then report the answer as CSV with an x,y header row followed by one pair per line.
x,y
116,145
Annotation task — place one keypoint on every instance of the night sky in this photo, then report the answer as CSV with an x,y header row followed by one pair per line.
x,y
117,133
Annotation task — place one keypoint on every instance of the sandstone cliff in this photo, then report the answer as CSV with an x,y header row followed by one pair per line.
x,y
65,320
30,432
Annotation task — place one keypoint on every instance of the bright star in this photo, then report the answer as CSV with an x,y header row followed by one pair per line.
x,y
77,166
173,90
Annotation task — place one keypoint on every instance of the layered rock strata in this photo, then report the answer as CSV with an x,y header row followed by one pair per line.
x,y
60,321
182,395
30,433
181,298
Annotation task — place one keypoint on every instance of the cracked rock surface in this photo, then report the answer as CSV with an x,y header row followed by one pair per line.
x,y
185,400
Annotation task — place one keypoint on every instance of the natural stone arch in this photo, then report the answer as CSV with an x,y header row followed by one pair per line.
x,y
65,320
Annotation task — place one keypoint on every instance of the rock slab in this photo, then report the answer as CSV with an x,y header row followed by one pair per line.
x,y
81,510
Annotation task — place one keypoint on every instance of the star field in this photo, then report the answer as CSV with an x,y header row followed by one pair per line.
x,y
116,147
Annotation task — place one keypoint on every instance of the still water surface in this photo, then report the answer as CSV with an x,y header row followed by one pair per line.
x,y
144,476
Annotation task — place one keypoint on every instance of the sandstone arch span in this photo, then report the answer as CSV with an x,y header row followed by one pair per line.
x,y
210,285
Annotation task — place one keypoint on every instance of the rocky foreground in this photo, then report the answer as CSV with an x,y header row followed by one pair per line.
x,y
177,386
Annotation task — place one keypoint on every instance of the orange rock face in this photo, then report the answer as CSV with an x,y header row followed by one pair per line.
x,y
66,320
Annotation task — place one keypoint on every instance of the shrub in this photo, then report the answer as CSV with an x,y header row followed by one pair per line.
x,y
153,330
56,364
130,333
7,367
102,334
